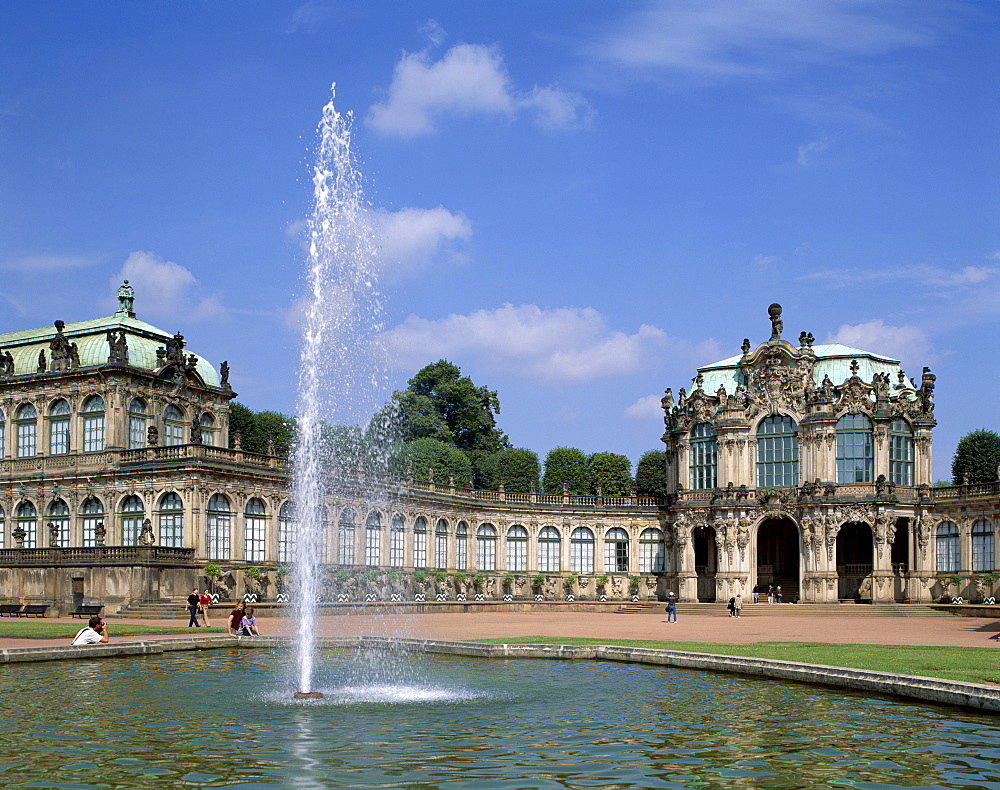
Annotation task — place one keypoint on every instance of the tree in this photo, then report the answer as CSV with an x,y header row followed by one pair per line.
x,y
611,473
257,428
566,465
976,457
445,458
517,467
651,474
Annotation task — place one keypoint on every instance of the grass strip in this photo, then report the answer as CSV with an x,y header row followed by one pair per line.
x,y
33,629
966,664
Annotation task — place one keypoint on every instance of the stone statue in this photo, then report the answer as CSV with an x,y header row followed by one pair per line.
x,y
146,537
926,392
100,533
746,346
117,347
224,375
667,401
880,383
41,361
152,436
6,365
196,437
827,387
126,300
774,313
74,356
59,349
53,534
18,534
175,349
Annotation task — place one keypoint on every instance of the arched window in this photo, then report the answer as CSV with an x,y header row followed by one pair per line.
x,y
3,525
397,541
420,543
486,548
616,551
3,435
218,528
855,454
173,426
171,521
131,513
651,551
549,544
441,545
462,546
345,536
948,559
777,452
581,550
373,539
286,533
27,423
901,453
704,457
93,424
517,548
59,515
136,424
27,520
982,546
93,514
59,427
254,530
207,428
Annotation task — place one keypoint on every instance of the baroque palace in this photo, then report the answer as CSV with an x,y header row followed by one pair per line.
x,y
805,466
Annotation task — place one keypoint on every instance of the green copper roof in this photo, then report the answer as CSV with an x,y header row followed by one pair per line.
x,y
92,345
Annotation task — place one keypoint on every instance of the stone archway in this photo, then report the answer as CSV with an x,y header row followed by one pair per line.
x,y
855,558
706,557
779,557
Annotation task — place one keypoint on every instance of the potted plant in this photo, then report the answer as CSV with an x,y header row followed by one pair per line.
x,y
568,583
538,581
954,580
460,580
984,585
633,584
508,582
279,577
479,580
602,584
212,573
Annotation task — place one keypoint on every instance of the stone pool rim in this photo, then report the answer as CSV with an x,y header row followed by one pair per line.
x,y
977,697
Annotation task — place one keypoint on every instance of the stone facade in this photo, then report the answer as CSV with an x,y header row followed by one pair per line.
x,y
117,484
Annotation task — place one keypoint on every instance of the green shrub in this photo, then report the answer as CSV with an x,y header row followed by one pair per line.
x,y
569,581
538,581
460,578
213,571
508,580
602,582
252,573
420,577
440,577
479,580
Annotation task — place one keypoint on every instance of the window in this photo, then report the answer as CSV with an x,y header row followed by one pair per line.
x,y
3,436
59,515
420,543
441,545
27,419
901,453
27,520
132,514
549,543
254,530
948,559
218,527
207,428
373,539
3,543
286,533
616,551
855,454
93,514
777,452
173,426
581,550
462,546
486,548
93,424
136,424
651,551
704,457
517,548
59,428
345,537
396,541
982,546
171,520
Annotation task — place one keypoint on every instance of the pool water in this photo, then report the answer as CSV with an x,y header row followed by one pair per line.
x,y
225,718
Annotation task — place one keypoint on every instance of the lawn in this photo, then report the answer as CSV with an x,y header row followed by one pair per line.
x,y
967,664
35,629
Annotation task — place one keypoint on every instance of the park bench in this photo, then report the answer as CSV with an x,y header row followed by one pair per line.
x,y
87,611
10,609
34,610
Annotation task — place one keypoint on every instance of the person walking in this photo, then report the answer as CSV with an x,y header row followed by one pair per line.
x,y
194,601
204,603
671,607
770,593
738,605
732,606
756,593
777,593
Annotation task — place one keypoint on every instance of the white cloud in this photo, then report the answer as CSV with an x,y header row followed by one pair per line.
x,y
563,345
758,38
470,79
766,261
907,343
646,408
809,153
414,238
164,289
50,263
924,274
307,18
432,31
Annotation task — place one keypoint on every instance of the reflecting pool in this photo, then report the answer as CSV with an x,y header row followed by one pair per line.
x,y
223,718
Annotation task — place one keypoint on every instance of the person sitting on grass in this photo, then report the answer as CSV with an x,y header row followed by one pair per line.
x,y
250,623
94,632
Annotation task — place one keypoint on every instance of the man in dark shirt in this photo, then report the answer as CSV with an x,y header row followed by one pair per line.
x,y
193,601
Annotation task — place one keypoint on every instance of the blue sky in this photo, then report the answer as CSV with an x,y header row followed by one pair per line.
x,y
580,202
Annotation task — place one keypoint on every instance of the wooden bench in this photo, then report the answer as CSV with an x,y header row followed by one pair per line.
x,y
87,611
33,610
10,609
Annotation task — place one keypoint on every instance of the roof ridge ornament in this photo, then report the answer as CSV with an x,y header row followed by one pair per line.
x,y
126,300
774,312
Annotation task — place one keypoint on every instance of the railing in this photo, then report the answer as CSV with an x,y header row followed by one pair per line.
x,y
98,555
855,570
968,490
58,464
